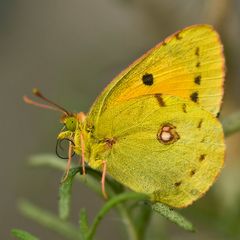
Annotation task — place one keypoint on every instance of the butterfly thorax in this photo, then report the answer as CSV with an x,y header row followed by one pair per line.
x,y
97,148
79,128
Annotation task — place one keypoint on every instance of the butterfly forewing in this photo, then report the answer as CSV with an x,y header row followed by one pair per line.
x,y
188,64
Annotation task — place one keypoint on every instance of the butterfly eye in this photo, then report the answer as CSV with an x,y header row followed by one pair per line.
x,y
62,148
71,123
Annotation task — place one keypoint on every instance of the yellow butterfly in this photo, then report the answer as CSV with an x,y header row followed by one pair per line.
x,y
154,127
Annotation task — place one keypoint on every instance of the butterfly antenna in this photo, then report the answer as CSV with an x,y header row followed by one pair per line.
x,y
52,105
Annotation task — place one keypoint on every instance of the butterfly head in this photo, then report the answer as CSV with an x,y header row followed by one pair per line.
x,y
70,122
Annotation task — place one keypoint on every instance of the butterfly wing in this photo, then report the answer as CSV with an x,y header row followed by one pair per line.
x,y
188,64
163,146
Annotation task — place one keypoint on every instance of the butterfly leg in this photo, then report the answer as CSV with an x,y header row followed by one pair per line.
x,y
101,164
68,162
104,170
83,157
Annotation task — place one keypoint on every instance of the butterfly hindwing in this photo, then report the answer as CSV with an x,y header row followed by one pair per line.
x,y
164,146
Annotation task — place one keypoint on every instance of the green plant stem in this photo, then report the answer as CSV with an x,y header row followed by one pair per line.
x,y
231,124
128,222
110,204
49,220
142,221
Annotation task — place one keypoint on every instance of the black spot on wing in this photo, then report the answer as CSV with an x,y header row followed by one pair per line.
x,y
160,100
197,79
147,79
197,51
178,37
200,124
202,157
184,108
177,184
198,64
194,97
193,171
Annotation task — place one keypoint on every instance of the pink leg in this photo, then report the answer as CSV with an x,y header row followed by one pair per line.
x,y
103,179
83,157
68,162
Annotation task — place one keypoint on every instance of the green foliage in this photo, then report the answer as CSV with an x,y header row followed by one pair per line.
x,y
136,216
83,222
173,216
119,199
23,235
65,194
49,220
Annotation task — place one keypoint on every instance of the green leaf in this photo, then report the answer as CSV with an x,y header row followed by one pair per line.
x,y
65,194
49,220
23,235
231,124
83,222
173,216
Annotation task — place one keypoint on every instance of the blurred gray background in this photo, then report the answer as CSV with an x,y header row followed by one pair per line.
x,y
71,50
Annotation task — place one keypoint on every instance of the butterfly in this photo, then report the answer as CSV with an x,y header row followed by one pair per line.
x,y
154,128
